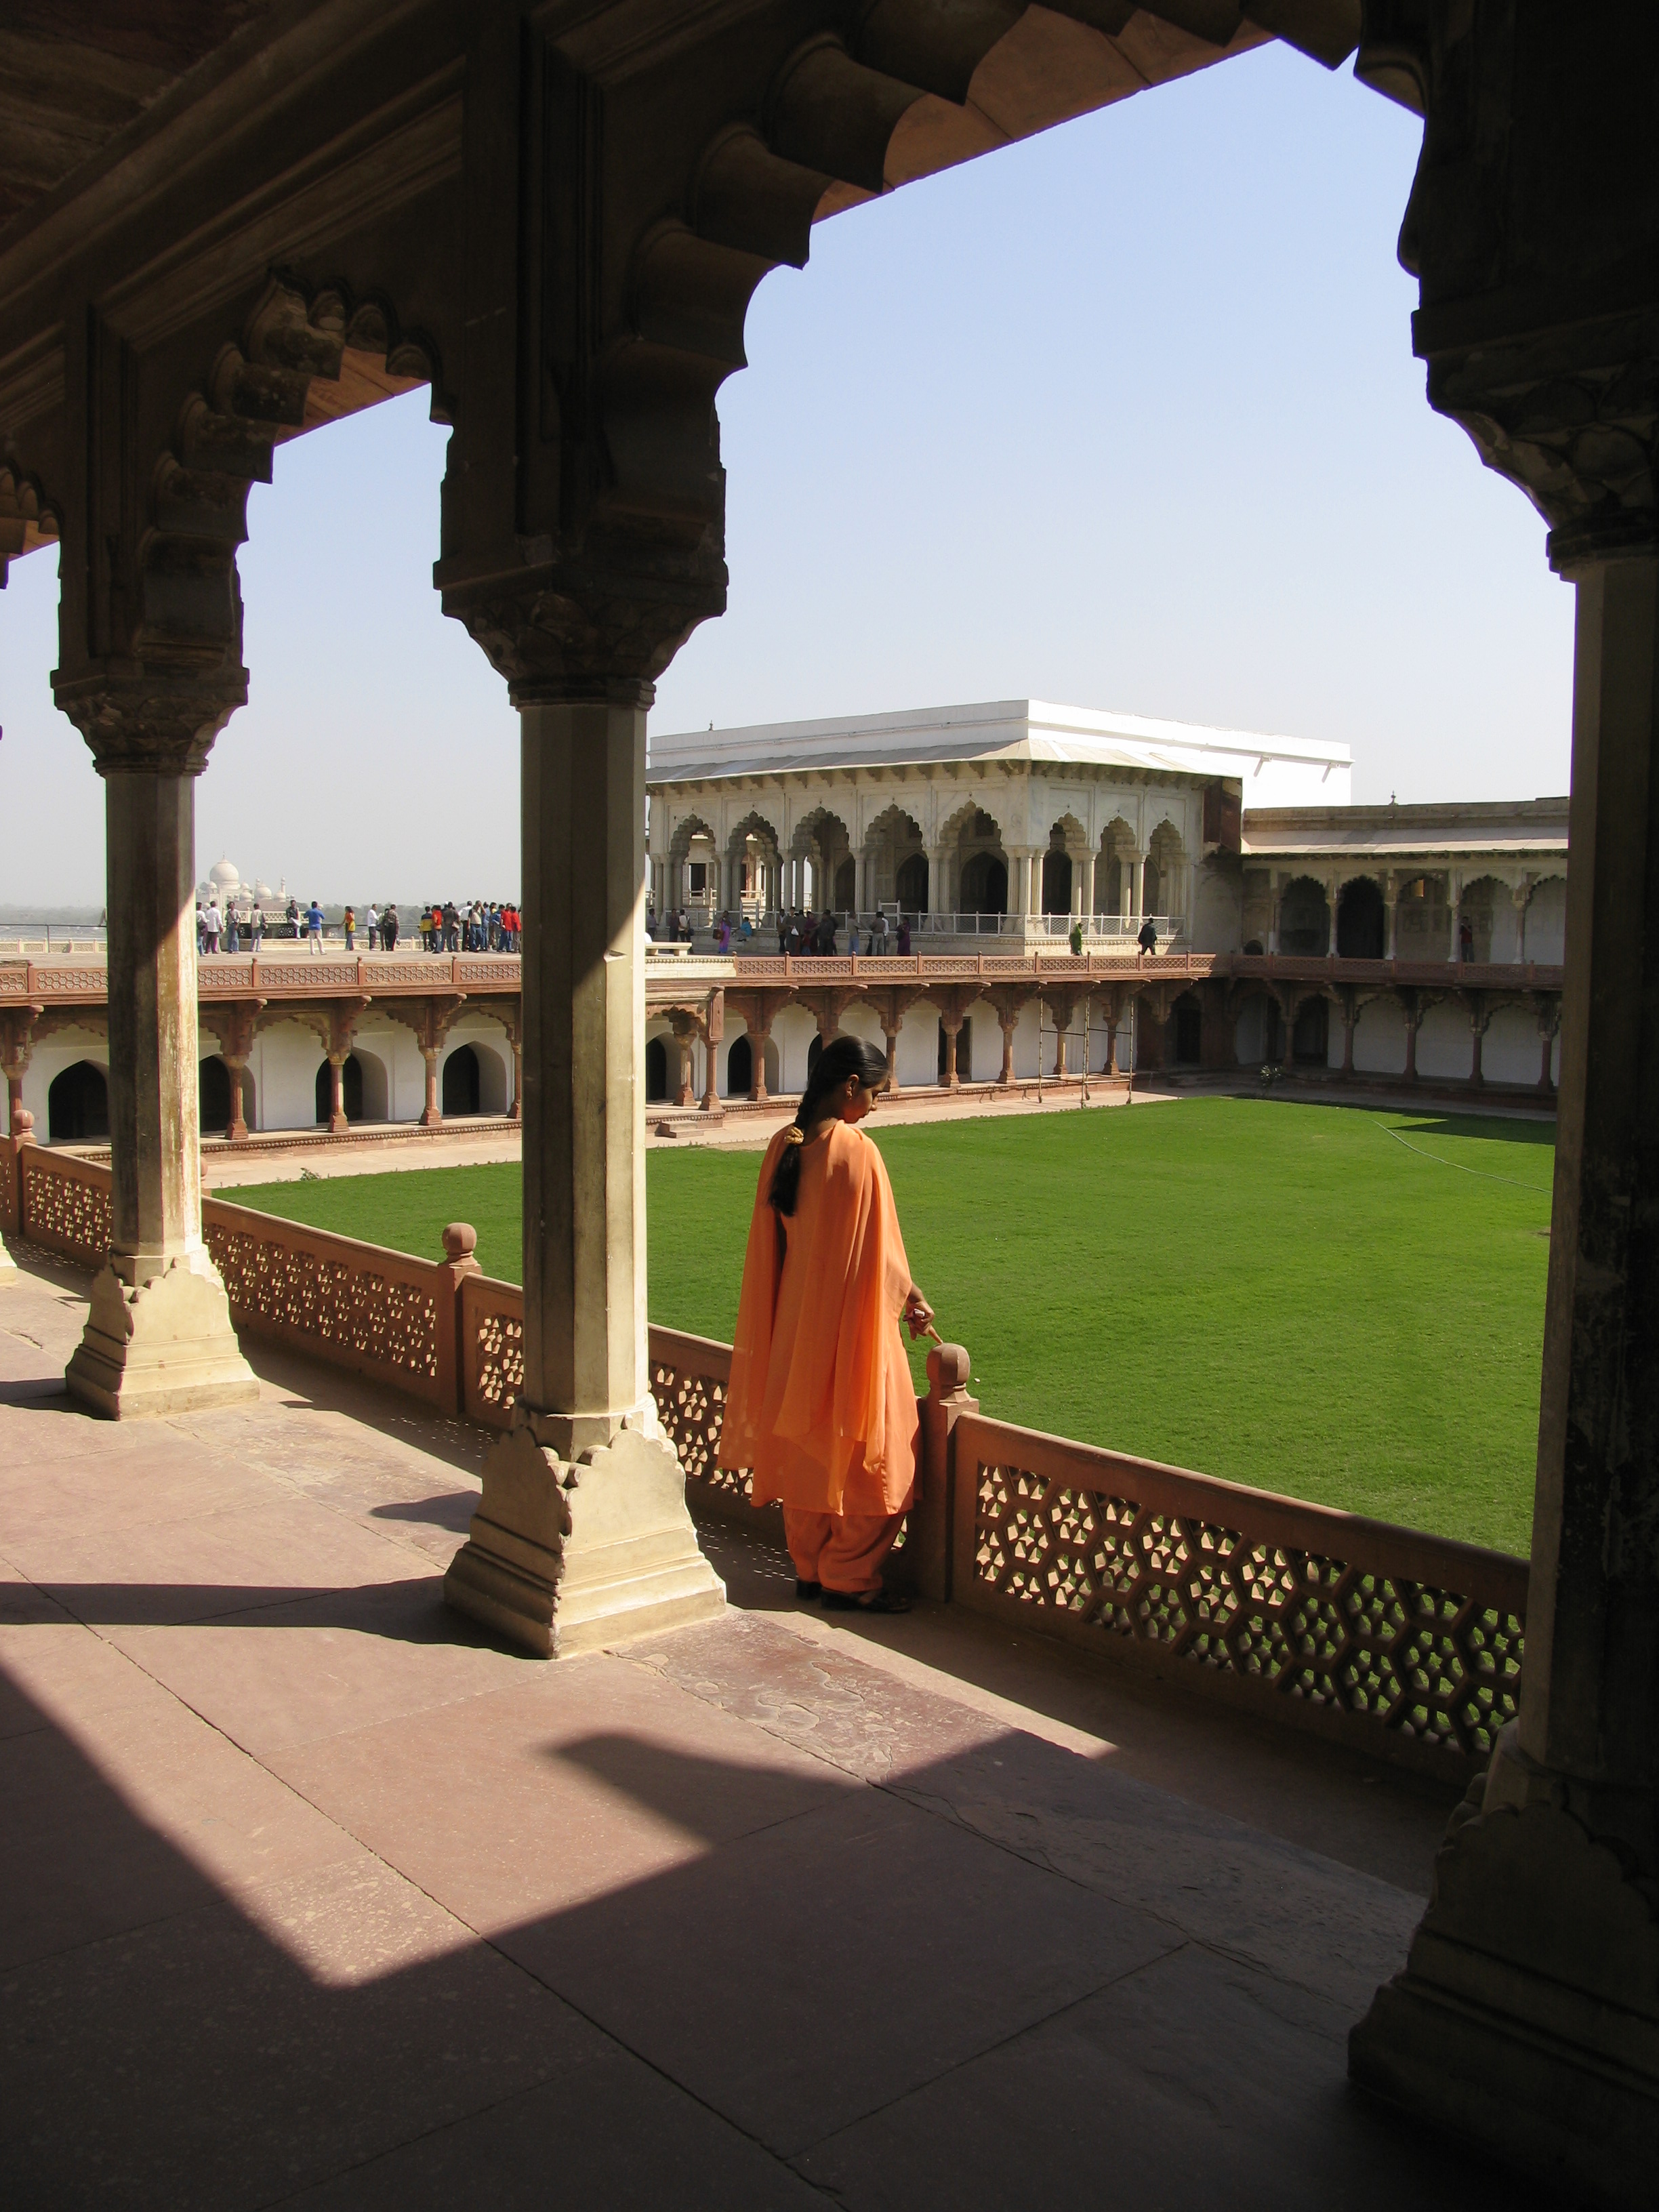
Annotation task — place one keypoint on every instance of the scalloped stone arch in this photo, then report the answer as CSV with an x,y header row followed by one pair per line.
x,y
305,357
29,519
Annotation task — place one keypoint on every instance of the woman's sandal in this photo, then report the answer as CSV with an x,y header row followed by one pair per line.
x,y
879,1601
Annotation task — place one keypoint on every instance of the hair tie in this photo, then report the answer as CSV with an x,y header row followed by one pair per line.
x,y
792,1135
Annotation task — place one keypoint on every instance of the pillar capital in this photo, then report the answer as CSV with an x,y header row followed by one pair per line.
x,y
571,633
138,721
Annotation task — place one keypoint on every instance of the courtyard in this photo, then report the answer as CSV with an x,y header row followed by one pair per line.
x,y
1342,1304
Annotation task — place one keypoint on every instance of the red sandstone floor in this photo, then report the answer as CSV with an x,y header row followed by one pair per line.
x,y
310,1897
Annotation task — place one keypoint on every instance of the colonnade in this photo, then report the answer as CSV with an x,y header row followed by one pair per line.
x,y
582,540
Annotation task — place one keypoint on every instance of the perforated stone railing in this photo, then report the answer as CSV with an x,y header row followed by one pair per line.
x,y
358,1306
1393,1640
63,1203
492,1349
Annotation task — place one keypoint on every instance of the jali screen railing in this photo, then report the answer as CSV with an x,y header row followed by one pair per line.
x,y
1387,1638
1386,1635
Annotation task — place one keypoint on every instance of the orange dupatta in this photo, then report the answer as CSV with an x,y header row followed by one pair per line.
x,y
820,1404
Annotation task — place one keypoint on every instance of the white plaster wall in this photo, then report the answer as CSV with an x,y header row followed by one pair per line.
x,y
1445,1044
864,1022
1546,923
918,1046
285,1059
983,1063
793,1031
1514,1048
1379,1038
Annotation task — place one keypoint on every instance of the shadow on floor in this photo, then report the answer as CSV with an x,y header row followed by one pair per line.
x,y
832,1989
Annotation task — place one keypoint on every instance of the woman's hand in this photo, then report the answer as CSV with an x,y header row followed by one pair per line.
x,y
918,1313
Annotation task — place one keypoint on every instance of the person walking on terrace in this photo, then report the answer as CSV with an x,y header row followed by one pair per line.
x,y
314,926
1147,939
820,1404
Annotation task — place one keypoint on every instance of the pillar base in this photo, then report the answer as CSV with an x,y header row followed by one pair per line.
x,y
1527,2017
565,1557
167,1347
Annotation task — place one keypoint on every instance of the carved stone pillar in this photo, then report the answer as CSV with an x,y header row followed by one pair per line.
x,y
1527,2016
683,1026
1391,917
1087,872
714,1035
158,1337
1350,1019
951,1022
431,1112
582,1534
16,1049
757,1044
1480,1020
1549,1024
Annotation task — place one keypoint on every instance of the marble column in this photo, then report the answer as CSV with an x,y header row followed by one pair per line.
x,y
582,1534
1087,901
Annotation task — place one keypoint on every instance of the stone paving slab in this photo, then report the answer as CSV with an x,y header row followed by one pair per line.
x,y
309,1895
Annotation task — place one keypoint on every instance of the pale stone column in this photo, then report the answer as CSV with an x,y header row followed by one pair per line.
x,y
1391,911
1137,887
158,1338
1454,902
1087,891
582,1534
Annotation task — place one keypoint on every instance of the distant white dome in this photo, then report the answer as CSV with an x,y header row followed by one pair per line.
x,y
262,891
224,877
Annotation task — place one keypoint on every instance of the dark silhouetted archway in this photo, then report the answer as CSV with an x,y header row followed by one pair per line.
x,y
351,1089
460,1081
656,1073
214,1096
911,886
1361,922
1056,883
739,1067
77,1105
984,884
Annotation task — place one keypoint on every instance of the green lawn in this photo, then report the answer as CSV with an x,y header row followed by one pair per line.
x,y
1342,1304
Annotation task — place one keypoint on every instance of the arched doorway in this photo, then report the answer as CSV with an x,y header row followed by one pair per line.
x,y
846,886
911,885
739,1068
656,1073
213,1096
1056,883
1361,921
984,884
1304,920
1187,1032
1310,1040
77,1105
460,1090
351,1089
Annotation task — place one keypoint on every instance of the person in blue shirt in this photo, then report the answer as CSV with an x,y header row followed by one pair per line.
x,y
314,926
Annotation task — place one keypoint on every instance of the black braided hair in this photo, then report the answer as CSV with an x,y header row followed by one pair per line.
x,y
842,1057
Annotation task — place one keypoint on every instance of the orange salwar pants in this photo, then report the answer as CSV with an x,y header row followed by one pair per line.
x,y
842,1551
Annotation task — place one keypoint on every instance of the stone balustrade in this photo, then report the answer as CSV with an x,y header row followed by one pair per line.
x,y
1401,1644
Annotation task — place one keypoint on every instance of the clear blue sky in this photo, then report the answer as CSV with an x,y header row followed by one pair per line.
x,y
1123,416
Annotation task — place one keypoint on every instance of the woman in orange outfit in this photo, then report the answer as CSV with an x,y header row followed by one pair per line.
x,y
820,1404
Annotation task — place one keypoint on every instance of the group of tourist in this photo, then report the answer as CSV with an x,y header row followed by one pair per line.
x,y
479,926
798,931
